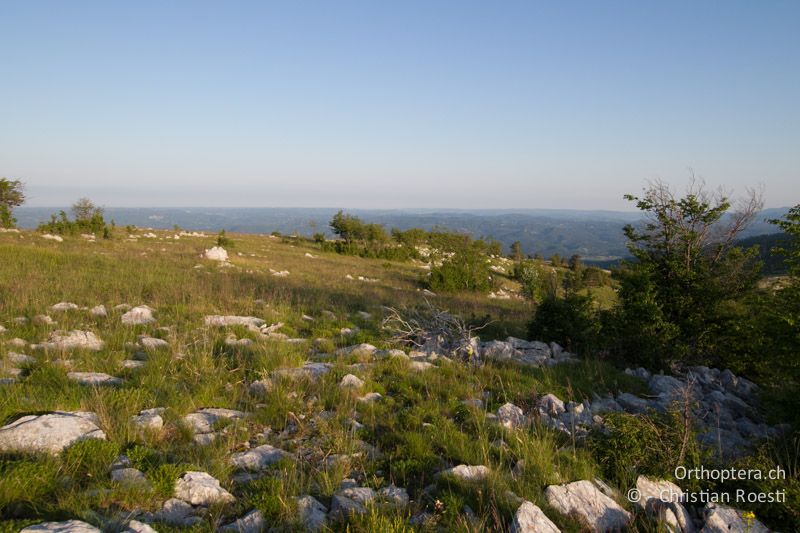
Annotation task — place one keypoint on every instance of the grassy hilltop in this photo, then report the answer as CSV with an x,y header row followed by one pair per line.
x,y
429,417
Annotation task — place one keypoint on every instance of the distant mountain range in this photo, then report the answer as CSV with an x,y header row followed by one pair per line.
x,y
595,235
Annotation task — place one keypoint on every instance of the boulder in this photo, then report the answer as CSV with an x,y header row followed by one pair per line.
x,y
70,526
200,488
217,253
138,315
99,311
258,458
584,500
551,405
530,519
313,514
49,433
662,499
73,340
63,306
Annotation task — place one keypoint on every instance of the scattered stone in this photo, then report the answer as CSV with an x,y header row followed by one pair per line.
x,y
75,339
258,458
420,366
217,253
63,306
530,519
17,343
467,472
132,364
70,526
351,382
50,237
370,397
94,379
43,320
152,343
585,500
394,495
99,311
138,315
351,501
551,405
511,417
19,358
148,420
252,522
313,514
199,488
129,476
49,433
358,350
134,526
202,422
178,513
722,519
230,320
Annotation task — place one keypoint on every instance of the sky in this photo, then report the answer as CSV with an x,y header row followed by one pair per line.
x,y
455,104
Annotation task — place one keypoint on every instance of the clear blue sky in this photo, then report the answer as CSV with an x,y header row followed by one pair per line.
x,y
393,104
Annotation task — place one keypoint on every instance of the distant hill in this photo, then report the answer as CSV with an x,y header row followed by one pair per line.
x,y
773,263
595,235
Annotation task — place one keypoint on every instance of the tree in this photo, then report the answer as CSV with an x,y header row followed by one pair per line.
x,y
516,251
84,210
686,258
11,195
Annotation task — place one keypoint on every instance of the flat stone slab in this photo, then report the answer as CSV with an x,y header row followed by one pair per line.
x,y
203,421
313,514
258,458
200,488
152,343
585,500
232,320
95,379
49,433
73,340
468,472
252,522
70,526
722,519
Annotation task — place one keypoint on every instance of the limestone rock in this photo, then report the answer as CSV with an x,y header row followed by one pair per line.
x,y
584,499
63,306
152,343
358,350
352,500
530,519
217,253
94,379
313,513
350,382
178,513
99,311
258,458
510,416
467,472
49,433
252,522
73,340
70,526
394,495
722,519
200,488
662,499
230,320
203,421
134,526
138,315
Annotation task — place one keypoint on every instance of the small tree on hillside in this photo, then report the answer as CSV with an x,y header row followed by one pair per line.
x,y
687,262
11,195
84,210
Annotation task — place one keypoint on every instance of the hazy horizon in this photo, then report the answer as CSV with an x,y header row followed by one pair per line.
x,y
452,104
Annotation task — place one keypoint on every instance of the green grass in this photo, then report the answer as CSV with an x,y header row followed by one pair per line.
x,y
420,426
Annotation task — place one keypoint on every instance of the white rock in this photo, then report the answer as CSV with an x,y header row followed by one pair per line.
x,y
258,458
100,311
510,416
19,358
370,397
722,519
585,500
132,364
128,476
351,382
177,512
63,306
49,433
252,522
217,253
551,404
468,473
312,512
148,420
139,315
134,526
359,350
530,519
200,488
95,379
394,495
51,237
203,421
152,343
662,499
420,366
229,320
70,526
75,339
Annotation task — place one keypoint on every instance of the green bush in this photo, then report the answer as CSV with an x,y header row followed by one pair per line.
x,y
570,321
467,270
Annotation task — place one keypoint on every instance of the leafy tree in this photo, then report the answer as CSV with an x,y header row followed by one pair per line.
x,y
687,272
11,195
570,321
84,209
466,270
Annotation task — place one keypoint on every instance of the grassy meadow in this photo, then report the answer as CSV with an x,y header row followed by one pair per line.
x,y
419,427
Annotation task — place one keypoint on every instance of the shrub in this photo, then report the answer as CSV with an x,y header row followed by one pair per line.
x,y
466,270
570,321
